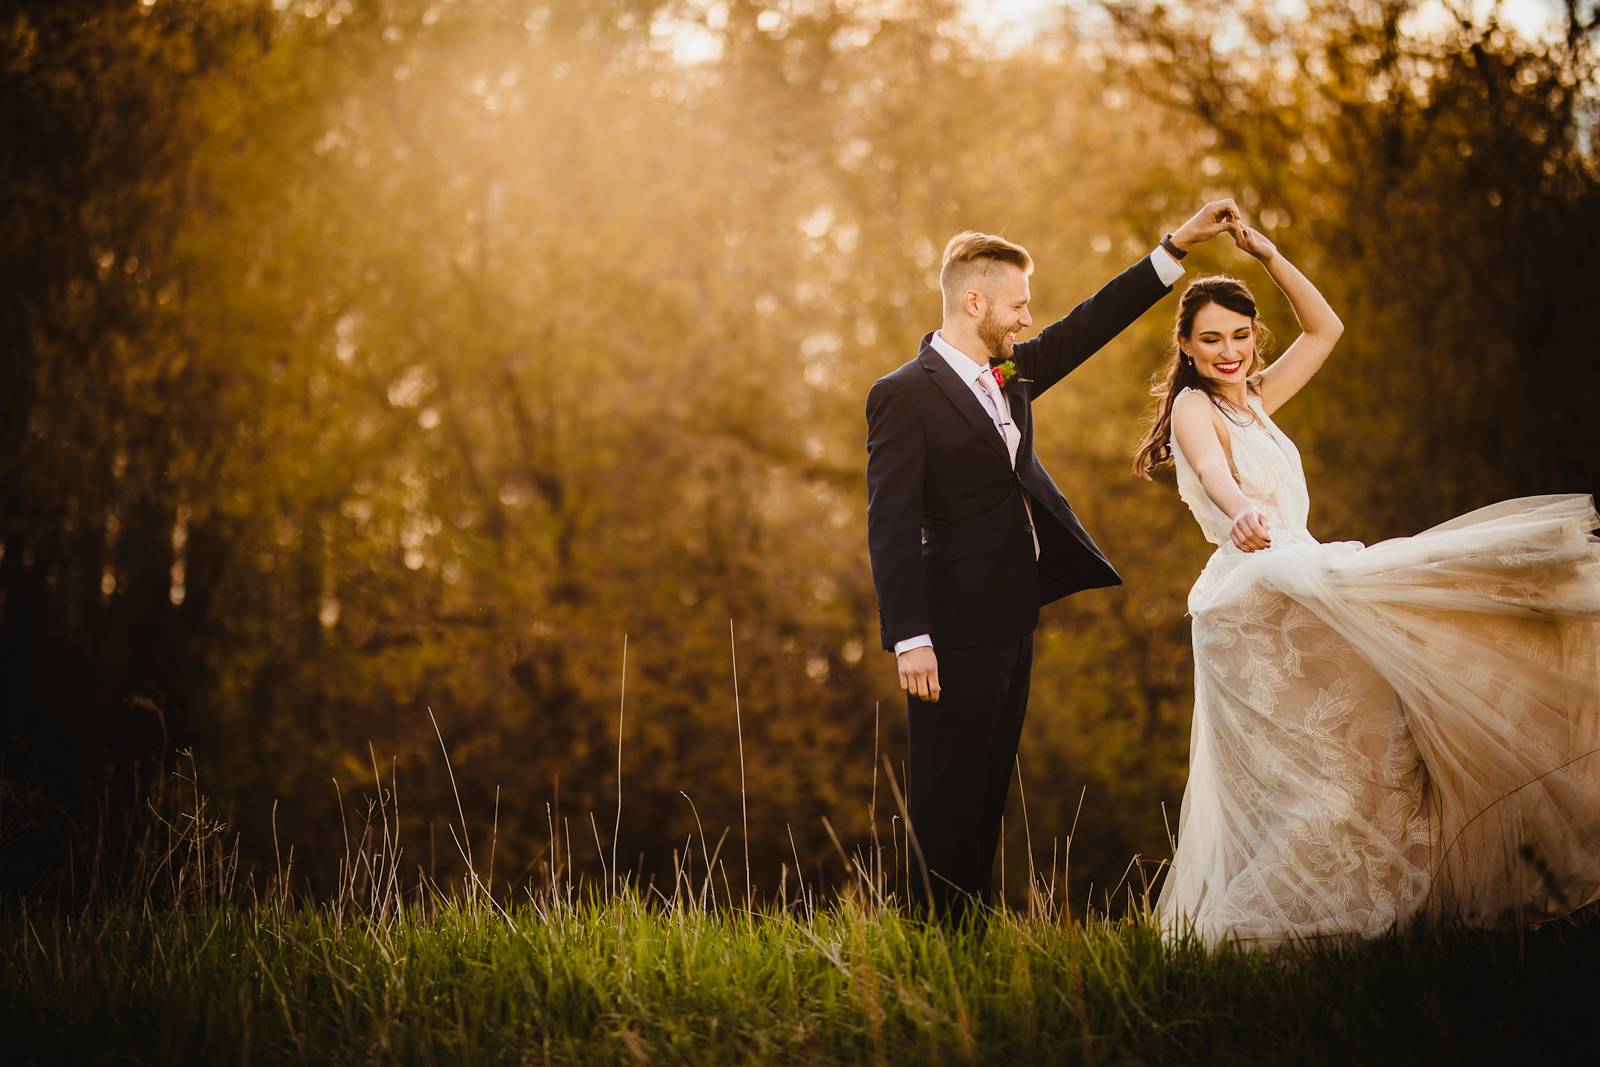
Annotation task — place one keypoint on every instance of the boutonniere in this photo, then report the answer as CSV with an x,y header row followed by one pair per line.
x,y
1006,373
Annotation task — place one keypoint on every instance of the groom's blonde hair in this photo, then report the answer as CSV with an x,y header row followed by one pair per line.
x,y
969,255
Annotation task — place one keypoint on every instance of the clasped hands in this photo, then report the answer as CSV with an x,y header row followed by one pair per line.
x,y
1219,216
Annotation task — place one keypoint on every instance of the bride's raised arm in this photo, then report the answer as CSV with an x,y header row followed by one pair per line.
x,y
1320,327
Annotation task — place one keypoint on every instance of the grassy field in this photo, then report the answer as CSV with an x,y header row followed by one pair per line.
x,y
612,980
166,956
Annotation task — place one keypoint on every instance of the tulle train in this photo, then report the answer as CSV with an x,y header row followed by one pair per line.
x,y
1402,730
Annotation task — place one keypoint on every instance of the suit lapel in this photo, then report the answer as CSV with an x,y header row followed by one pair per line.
x,y
959,394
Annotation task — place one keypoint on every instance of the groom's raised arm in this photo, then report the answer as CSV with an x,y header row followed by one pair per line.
x,y
1062,346
896,461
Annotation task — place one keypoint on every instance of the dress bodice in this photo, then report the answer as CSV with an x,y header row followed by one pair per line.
x,y
1270,475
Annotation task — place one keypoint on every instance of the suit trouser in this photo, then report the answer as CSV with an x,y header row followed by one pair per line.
x,y
962,754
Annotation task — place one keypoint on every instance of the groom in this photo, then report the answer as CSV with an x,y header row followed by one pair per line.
x,y
969,536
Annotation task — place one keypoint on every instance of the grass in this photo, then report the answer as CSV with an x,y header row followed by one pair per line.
x,y
174,960
168,956
614,980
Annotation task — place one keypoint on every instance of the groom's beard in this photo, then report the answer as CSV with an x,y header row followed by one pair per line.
x,y
993,336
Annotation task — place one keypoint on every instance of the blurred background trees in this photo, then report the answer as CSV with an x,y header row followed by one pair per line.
x,y
362,358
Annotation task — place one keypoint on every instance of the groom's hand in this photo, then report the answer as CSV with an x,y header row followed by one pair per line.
x,y
919,673
1216,217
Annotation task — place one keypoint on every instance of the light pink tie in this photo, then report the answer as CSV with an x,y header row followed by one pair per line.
x,y
1002,411
1012,436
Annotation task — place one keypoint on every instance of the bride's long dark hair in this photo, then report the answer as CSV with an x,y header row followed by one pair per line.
x,y
1154,451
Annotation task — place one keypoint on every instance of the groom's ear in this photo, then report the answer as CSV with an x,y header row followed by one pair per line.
x,y
972,302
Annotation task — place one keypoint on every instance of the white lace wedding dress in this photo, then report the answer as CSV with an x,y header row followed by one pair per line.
x,y
1388,732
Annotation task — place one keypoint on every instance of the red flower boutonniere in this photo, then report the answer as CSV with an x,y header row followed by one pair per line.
x,y
1006,373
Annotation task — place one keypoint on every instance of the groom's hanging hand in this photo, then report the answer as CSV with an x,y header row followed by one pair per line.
x,y
1216,217
919,673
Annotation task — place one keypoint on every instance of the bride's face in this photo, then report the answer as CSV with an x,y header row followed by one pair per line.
x,y
1221,343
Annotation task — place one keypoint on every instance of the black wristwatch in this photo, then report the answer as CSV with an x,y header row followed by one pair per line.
x,y
1172,250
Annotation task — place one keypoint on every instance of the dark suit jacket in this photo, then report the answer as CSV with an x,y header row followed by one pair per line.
x,y
946,526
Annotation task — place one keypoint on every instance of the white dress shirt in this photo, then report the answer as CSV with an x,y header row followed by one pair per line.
x,y
971,371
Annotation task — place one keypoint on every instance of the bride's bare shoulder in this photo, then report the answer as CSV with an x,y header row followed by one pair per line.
x,y
1192,412
1193,406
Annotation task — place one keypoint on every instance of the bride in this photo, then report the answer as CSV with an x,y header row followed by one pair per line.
x,y
1382,734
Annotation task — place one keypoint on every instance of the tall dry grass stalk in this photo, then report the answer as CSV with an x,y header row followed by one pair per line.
x,y
744,812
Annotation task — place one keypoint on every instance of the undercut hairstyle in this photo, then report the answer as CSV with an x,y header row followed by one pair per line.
x,y
969,256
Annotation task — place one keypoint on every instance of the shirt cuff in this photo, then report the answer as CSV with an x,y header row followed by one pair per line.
x,y
919,641
1168,269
